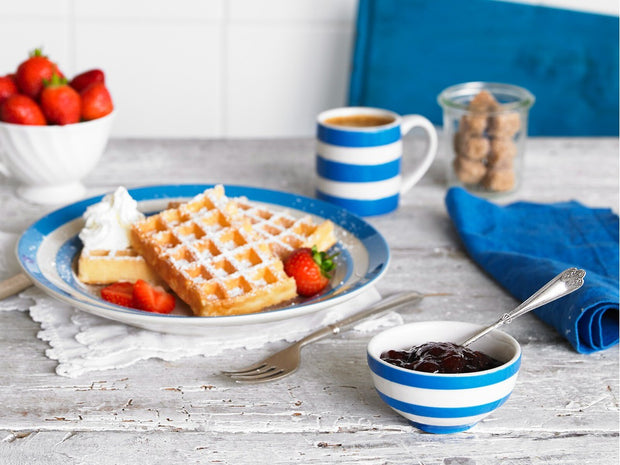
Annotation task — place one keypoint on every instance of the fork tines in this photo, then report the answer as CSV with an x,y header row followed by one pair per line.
x,y
256,373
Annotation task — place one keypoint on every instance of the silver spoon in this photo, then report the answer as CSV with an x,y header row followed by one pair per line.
x,y
566,282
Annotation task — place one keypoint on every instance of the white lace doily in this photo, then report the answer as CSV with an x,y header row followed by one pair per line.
x,y
82,342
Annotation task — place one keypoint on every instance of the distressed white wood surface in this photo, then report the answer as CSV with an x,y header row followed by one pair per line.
x,y
564,409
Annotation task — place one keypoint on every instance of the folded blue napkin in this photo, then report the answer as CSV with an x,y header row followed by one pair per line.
x,y
524,245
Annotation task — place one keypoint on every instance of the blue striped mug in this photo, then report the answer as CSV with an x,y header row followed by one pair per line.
x,y
358,158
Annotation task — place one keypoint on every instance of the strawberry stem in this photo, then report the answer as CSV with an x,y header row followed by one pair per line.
x,y
55,81
37,52
325,262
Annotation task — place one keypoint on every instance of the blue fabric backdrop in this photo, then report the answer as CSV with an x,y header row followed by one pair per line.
x,y
407,51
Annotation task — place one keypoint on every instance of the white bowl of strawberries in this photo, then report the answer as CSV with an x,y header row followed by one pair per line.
x,y
52,131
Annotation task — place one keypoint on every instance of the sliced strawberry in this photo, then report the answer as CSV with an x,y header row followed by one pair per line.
x,y
120,293
152,298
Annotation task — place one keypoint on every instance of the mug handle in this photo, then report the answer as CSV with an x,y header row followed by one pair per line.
x,y
408,123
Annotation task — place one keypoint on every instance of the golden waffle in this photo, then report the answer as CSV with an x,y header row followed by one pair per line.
x,y
110,266
285,233
211,257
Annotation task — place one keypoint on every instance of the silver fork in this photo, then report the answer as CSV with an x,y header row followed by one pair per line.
x,y
286,361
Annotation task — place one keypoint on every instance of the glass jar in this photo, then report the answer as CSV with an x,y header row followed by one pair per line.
x,y
484,130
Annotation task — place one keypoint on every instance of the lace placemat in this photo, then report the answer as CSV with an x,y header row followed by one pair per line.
x,y
82,342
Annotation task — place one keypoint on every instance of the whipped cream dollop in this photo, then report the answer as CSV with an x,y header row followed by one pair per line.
x,y
109,221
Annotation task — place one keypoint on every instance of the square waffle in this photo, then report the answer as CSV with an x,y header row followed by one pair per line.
x,y
212,258
110,266
285,233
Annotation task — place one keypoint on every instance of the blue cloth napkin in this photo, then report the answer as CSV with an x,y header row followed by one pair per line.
x,y
524,245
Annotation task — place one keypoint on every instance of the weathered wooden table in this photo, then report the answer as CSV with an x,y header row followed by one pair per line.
x,y
564,409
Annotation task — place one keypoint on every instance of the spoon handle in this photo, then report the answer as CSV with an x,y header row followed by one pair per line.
x,y
566,282
13,285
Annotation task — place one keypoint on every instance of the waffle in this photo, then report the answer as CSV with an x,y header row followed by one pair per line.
x,y
285,233
212,258
108,266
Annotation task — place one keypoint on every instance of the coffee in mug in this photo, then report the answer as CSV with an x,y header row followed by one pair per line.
x,y
358,158
360,121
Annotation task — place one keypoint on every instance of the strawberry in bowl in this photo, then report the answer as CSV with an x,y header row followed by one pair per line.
x,y
32,72
53,131
61,104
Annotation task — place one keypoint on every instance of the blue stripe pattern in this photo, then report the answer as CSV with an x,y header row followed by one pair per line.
x,y
427,381
442,412
345,172
366,138
363,207
441,429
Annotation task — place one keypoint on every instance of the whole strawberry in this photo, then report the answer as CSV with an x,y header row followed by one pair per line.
x,y
20,109
311,270
61,104
96,101
85,79
31,73
7,88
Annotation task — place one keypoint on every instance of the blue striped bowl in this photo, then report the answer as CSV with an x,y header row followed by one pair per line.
x,y
443,403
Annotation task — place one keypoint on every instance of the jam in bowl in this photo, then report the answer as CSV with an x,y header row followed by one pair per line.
x,y
441,402
441,357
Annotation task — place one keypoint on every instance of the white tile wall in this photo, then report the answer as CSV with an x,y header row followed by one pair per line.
x,y
196,68
203,68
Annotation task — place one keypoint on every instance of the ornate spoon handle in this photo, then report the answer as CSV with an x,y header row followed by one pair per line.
x,y
566,282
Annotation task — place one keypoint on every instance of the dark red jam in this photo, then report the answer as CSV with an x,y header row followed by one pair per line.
x,y
440,357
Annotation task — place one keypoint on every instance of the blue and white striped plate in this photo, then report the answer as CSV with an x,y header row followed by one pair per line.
x,y
47,251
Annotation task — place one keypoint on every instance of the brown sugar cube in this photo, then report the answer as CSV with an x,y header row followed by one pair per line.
x,y
469,171
504,124
501,163
483,102
503,147
502,152
499,180
474,147
473,123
